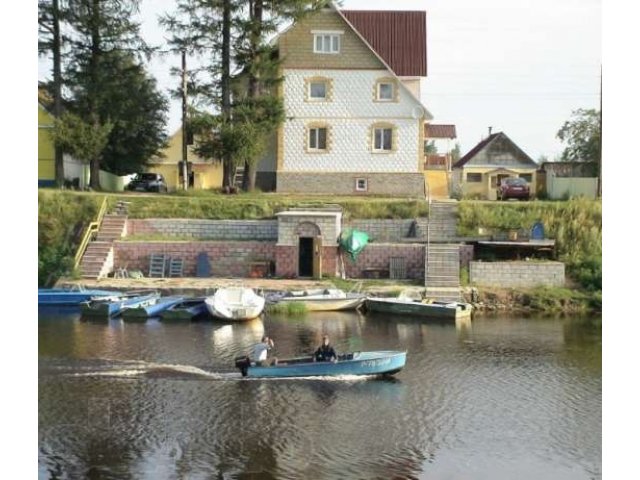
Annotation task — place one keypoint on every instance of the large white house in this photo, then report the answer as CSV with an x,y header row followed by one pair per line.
x,y
354,120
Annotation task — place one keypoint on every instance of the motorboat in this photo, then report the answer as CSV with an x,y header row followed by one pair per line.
x,y
323,300
357,363
235,303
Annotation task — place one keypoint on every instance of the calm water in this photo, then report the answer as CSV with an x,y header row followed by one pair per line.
x,y
494,399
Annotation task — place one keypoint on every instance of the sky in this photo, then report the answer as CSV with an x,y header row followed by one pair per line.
x,y
518,66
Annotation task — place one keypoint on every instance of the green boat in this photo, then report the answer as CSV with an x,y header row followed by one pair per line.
x,y
420,308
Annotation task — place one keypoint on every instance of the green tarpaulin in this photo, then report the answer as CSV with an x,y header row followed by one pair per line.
x,y
353,242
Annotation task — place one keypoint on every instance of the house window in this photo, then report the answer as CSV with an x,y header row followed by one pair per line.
x,y
318,90
385,91
383,139
526,176
474,177
318,138
326,43
361,185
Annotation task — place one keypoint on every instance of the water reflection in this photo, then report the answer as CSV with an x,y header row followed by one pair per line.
x,y
153,400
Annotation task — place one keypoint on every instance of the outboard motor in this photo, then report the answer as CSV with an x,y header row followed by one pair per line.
x,y
243,364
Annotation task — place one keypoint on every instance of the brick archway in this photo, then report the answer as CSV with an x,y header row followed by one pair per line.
x,y
307,229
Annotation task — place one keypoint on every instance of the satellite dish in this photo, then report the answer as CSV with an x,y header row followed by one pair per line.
x,y
417,112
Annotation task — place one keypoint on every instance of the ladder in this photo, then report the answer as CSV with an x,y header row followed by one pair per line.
x,y
238,177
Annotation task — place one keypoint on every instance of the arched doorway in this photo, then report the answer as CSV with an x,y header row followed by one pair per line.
x,y
309,250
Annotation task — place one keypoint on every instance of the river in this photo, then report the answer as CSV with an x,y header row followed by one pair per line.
x,y
495,398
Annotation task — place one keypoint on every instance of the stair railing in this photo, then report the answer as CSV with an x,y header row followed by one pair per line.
x,y
89,232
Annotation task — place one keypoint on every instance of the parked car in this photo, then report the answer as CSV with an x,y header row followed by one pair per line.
x,y
513,188
148,182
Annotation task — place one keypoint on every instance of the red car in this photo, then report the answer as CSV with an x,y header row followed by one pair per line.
x,y
513,188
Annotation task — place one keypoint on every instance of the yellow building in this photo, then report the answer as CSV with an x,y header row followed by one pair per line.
x,y
46,155
478,173
203,173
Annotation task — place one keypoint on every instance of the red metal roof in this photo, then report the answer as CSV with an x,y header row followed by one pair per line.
x,y
399,37
439,131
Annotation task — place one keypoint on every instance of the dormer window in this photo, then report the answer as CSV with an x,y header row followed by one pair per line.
x,y
326,42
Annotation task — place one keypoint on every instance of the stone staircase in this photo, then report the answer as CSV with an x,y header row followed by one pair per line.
x,y
442,258
97,261
443,221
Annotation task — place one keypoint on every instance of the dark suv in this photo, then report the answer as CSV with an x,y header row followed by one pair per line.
x,y
513,188
147,182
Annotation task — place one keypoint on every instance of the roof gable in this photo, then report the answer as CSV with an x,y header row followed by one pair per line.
x,y
398,37
497,150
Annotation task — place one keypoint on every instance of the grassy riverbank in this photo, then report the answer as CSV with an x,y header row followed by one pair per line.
x,y
576,225
61,220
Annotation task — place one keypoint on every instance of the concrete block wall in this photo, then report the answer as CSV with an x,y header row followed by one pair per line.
x,y
517,274
397,184
386,231
291,227
287,261
227,258
466,255
378,256
206,229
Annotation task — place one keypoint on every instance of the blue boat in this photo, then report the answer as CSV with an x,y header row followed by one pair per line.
x,y
144,311
188,309
70,296
112,306
358,363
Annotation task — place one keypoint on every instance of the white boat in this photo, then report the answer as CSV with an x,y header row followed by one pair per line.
x,y
235,303
325,300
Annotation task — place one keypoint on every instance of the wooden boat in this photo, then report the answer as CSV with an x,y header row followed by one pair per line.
x,y
324,300
112,306
187,310
70,296
421,308
142,312
235,303
358,363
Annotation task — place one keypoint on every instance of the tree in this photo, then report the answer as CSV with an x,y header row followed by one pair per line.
x,y
81,139
582,134
97,29
430,148
50,40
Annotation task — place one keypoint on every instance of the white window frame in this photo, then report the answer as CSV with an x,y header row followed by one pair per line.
x,y
382,150
333,39
318,99
393,93
366,185
314,133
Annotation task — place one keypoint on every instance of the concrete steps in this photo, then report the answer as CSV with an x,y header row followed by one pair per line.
x,y
97,261
442,259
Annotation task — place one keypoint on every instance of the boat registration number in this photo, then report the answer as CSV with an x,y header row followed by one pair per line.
x,y
376,363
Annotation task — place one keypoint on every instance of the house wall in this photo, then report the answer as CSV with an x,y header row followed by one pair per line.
x,y
517,274
296,45
349,115
207,173
413,84
483,189
46,155
392,184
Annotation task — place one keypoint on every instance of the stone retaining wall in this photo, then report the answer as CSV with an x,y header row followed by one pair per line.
x,y
378,256
205,229
391,230
517,274
227,258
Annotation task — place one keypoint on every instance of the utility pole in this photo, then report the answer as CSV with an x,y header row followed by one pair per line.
x,y
600,162
185,176
57,89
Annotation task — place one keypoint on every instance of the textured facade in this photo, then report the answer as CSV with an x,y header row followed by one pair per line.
x,y
339,132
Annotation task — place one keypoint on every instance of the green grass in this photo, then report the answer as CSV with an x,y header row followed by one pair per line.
x,y
62,218
256,206
287,308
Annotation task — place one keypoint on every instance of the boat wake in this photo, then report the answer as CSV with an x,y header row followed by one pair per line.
x,y
141,369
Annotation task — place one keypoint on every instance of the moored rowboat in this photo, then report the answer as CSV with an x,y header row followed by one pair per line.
x,y
142,312
424,308
324,300
111,306
358,363
70,296
188,309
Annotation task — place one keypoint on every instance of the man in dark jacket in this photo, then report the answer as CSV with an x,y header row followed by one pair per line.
x,y
325,353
